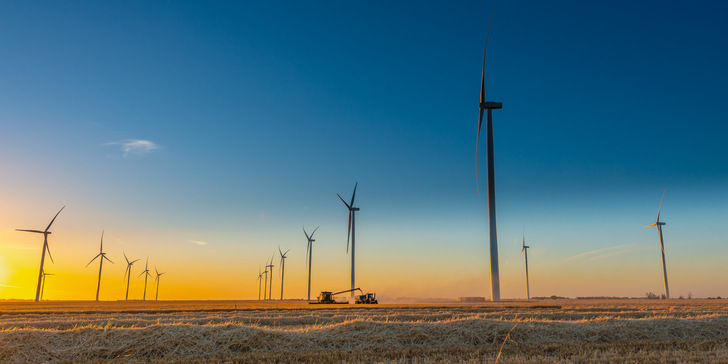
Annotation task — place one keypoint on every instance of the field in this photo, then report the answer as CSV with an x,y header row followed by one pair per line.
x,y
249,331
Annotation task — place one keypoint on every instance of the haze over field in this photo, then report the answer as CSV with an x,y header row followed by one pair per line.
x,y
203,136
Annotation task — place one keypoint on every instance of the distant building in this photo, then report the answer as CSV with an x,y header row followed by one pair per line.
x,y
470,299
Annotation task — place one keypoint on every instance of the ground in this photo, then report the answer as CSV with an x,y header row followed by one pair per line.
x,y
293,331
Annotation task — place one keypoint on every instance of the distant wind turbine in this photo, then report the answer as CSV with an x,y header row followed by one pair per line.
x,y
265,286
127,274
351,232
146,275
283,267
260,282
42,286
270,265
524,251
101,257
45,248
659,224
156,280
489,106
309,253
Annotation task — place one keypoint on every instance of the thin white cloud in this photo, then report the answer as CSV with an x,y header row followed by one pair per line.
x,y
200,243
136,147
593,253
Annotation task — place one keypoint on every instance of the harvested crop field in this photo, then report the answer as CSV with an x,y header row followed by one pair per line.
x,y
250,331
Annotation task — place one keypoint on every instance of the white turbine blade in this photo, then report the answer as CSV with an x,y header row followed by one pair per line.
x,y
314,231
305,233
308,246
92,260
650,225
54,218
104,255
342,200
48,249
31,231
477,143
348,233
125,258
660,208
101,249
354,194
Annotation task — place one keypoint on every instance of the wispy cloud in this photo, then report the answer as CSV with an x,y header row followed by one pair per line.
x,y
600,253
200,243
135,147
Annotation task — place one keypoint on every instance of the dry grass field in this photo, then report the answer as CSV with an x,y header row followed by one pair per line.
x,y
547,331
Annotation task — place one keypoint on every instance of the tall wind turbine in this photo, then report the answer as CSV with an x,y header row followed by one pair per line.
x,y
352,230
524,251
489,106
127,274
283,267
309,253
146,275
270,265
45,247
42,285
260,281
101,257
659,224
156,281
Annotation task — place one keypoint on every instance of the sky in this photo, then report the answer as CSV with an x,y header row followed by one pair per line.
x,y
203,136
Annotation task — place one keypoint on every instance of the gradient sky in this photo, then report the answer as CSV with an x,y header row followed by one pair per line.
x,y
203,135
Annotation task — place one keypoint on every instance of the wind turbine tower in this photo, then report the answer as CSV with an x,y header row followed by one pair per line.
x,y
42,285
265,286
659,224
45,248
351,232
283,267
493,236
146,275
524,251
156,280
270,265
101,257
309,253
127,274
260,282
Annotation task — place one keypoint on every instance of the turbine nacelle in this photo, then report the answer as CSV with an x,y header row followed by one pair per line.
x,y
491,105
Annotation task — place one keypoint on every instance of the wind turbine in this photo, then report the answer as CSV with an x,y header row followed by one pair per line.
x,y
283,267
489,106
127,274
42,286
524,251
270,265
309,253
156,280
146,275
102,256
260,281
659,224
350,232
45,247
265,286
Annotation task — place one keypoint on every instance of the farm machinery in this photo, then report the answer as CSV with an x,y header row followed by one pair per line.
x,y
327,297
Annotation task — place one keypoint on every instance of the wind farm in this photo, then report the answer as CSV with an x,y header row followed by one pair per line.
x,y
204,138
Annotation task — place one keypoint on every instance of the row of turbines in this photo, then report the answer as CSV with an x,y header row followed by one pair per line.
x,y
351,234
487,107
101,257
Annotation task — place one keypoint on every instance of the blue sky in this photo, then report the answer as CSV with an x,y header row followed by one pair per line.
x,y
245,120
